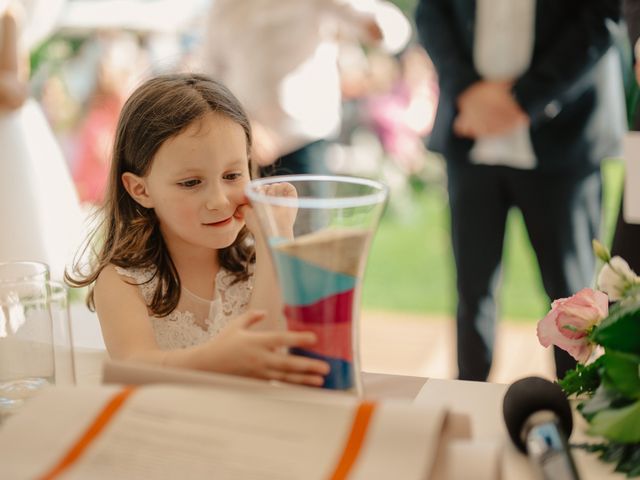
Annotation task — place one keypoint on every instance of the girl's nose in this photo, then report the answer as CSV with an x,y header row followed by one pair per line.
x,y
216,199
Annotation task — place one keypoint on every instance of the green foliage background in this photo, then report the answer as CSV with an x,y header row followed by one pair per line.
x,y
411,265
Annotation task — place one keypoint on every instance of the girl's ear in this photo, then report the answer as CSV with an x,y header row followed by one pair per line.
x,y
137,188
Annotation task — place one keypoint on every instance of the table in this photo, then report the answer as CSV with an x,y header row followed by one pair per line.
x,y
482,402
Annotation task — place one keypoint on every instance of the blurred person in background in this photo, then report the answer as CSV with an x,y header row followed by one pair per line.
x,y
280,57
401,105
522,121
40,215
389,104
119,63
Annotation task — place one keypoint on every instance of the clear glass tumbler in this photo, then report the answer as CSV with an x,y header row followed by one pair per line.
x,y
38,272
35,341
319,241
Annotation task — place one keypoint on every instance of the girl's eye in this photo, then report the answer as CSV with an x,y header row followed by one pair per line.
x,y
189,183
232,176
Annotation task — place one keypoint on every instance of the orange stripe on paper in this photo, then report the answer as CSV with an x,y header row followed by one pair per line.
x,y
354,443
91,433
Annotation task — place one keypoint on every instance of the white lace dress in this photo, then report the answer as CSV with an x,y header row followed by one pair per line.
x,y
195,319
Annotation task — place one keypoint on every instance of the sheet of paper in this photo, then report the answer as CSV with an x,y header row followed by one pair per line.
x,y
173,431
482,403
216,435
631,153
34,440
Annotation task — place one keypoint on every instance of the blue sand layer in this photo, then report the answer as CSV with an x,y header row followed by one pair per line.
x,y
303,283
340,377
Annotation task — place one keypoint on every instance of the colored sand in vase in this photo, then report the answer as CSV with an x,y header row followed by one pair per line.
x,y
318,275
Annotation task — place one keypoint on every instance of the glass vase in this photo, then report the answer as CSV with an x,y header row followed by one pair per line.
x,y
319,242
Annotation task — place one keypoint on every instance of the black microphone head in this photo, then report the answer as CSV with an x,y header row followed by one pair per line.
x,y
529,395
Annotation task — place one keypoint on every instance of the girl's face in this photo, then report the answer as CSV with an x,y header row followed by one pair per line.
x,y
196,184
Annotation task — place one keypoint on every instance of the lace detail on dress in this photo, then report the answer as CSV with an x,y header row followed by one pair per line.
x,y
195,319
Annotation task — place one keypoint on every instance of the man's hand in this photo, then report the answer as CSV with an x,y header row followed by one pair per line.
x,y
486,109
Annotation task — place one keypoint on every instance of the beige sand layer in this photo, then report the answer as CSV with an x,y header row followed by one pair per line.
x,y
336,249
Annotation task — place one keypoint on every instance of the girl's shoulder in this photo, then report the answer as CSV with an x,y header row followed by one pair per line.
x,y
113,278
132,276
112,285
138,275
143,278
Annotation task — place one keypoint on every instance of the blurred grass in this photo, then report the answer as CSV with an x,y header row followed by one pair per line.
x,y
410,265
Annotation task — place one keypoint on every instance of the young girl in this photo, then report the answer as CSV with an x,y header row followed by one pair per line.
x,y
175,264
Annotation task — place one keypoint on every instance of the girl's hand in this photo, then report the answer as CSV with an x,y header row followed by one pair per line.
x,y
241,351
284,217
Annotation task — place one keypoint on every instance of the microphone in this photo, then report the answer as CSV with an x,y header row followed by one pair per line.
x,y
539,420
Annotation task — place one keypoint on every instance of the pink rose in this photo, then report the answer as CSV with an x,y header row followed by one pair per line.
x,y
569,321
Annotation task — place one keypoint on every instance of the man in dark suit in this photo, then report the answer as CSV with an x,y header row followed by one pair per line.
x,y
530,132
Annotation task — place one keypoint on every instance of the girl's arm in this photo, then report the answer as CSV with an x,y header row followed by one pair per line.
x,y
124,319
237,350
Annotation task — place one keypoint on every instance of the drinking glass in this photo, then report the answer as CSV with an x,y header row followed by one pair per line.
x,y
33,271
65,371
35,341
319,241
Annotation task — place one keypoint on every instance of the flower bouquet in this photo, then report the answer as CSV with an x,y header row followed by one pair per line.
x,y
606,343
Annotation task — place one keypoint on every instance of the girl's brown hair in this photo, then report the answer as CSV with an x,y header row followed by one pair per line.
x,y
129,235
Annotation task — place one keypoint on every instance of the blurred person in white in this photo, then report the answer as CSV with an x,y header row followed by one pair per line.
x,y
280,58
39,215
120,62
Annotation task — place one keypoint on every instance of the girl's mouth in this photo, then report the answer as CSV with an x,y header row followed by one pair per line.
x,y
220,223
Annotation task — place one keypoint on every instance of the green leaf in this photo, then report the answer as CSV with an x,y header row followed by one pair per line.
x,y
626,456
620,330
630,464
603,399
623,371
582,379
620,424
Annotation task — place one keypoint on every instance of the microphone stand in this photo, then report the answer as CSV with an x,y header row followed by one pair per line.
x,y
548,448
